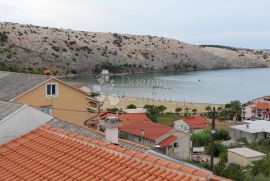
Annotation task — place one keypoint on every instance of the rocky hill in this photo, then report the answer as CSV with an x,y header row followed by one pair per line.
x,y
29,48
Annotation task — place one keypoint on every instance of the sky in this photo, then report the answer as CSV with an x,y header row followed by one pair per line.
x,y
239,23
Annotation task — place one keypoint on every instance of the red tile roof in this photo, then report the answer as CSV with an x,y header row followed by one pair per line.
x,y
168,141
134,123
48,153
196,122
261,105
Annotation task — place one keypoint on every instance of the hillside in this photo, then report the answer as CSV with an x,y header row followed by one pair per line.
x,y
30,48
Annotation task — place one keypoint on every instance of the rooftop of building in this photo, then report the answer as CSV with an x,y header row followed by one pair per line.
x,y
91,133
49,153
246,152
253,126
14,84
7,108
196,122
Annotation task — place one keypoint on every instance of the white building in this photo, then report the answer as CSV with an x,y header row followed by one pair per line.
x,y
251,130
17,119
259,109
244,156
195,123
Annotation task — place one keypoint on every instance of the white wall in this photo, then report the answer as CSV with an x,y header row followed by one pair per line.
x,y
181,125
21,121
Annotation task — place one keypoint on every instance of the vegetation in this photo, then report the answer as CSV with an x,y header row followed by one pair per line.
x,y
154,111
113,68
219,149
168,118
131,106
203,138
3,37
113,110
94,94
178,110
231,110
231,171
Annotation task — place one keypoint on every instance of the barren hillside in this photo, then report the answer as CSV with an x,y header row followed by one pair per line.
x,y
30,48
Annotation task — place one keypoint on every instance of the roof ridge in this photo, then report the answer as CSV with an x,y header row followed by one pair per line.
x,y
103,134
164,164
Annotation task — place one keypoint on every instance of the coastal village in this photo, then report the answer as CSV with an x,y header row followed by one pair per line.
x,y
56,130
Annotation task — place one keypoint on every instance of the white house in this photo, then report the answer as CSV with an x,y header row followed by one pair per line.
x,y
17,119
195,123
257,111
251,130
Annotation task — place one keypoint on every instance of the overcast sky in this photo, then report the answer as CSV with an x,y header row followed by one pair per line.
x,y
241,23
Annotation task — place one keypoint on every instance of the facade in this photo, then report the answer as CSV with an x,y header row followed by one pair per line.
x,y
49,153
258,110
250,130
48,94
17,119
195,123
140,129
244,156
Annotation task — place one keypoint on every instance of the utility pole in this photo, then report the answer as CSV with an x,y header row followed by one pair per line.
x,y
213,132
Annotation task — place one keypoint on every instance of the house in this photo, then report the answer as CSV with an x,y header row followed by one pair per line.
x,y
256,111
48,94
94,134
163,139
49,153
17,119
244,156
194,123
250,130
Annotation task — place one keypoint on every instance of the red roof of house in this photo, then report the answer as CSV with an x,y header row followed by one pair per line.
x,y
261,105
168,141
196,122
48,153
134,123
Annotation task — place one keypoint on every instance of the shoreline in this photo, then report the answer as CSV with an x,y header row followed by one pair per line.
x,y
111,101
163,71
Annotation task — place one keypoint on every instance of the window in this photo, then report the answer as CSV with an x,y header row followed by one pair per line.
x,y
175,144
51,90
46,110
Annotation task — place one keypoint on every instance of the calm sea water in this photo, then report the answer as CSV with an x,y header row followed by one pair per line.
x,y
216,86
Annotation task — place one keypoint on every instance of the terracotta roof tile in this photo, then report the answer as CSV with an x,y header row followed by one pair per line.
x,y
51,154
167,141
196,122
133,123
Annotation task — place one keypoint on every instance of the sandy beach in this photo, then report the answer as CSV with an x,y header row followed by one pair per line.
x,y
119,102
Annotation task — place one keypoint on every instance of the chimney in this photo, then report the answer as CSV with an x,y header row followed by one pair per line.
x,y
142,132
111,125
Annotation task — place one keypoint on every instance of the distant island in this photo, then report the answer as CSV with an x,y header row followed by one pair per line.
x,y
29,48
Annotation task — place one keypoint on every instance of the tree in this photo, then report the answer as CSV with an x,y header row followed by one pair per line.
x,y
222,134
208,109
178,110
131,106
218,149
113,110
161,108
194,111
154,111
